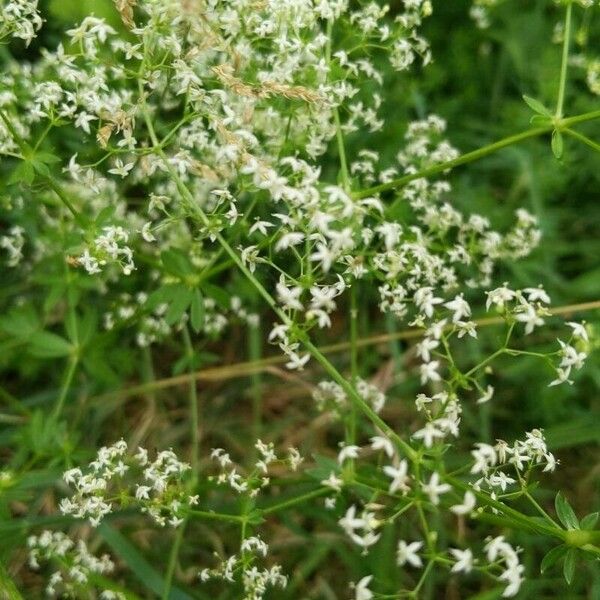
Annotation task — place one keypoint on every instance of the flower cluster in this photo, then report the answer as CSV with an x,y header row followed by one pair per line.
x,y
258,478
20,19
108,484
76,565
241,567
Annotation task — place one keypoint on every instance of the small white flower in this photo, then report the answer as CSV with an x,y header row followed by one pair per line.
x,y
348,452
361,589
464,560
399,476
434,489
579,330
467,505
407,553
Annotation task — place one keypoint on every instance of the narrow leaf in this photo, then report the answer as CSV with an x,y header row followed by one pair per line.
x,y
589,521
565,512
557,143
197,313
45,344
569,566
178,305
536,106
552,557
176,263
23,172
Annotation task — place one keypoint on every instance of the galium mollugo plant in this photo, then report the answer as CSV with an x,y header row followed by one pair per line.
x,y
151,160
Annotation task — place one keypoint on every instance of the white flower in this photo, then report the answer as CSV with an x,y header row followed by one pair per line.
x,y
537,295
464,560
120,168
428,434
486,396
429,372
348,452
425,347
579,330
434,489
289,297
361,589
147,232
467,505
289,239
399,476
407,553
333,481
460,307
499,297
527,314
382,443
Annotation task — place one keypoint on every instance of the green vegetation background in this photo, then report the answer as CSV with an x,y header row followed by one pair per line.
x,y
475,83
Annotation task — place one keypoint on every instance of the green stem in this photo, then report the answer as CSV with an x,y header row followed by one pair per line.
x,y
297,500
541,510
193,399
341,150
70,373
564,62
477,154
214,516
583,138
255,351
174,554
65,200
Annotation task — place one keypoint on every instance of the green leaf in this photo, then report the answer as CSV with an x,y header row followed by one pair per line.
x,y
569,566
45,344
40,167
197,312
540,120
565,512
47,157
557,143
537,106
20,322
589,521
552,557
176,263
179,304
163,295
106,215
22,173
218,294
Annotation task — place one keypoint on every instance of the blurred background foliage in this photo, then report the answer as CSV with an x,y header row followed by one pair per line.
x,y
475,82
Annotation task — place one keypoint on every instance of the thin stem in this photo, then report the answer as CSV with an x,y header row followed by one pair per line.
x,y
336,117
476,154
341,150
255,351
565,61
65,200
66,386
214,516
193,400
174,554
541,510
583,138
294,501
